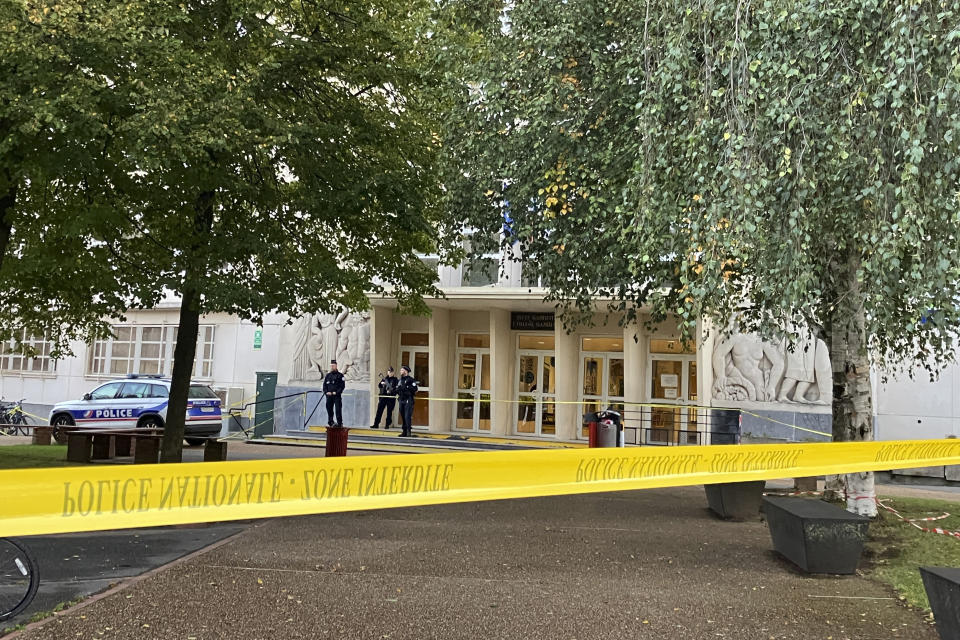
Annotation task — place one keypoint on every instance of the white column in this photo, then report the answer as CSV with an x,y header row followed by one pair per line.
x,y
441,371
381,330
567,353
635,368
502,355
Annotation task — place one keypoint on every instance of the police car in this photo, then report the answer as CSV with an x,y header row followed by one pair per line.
x,y
138,401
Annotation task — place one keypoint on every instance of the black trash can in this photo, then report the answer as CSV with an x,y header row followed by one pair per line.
x,y
725,426
609,429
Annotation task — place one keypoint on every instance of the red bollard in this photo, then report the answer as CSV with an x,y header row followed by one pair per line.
x,y
593,434
336,441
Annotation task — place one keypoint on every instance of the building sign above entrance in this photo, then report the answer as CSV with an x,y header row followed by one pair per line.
x,y
529,321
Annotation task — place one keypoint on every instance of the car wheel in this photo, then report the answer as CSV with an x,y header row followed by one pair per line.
x,y
58,423
195,442
150,422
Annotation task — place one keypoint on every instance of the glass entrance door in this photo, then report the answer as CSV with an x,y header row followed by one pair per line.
x,y
415,352
602,383
673,380
473,390
537,393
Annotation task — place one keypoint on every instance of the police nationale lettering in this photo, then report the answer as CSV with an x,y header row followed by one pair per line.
x,y
654,466
131,495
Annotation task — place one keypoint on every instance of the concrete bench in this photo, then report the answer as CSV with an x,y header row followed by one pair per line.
x,y
735,500
817,536
942,585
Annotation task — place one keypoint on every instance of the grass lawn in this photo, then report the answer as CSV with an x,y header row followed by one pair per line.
x,y
30,456
897,548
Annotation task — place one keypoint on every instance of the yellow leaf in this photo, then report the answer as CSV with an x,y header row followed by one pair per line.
x,y
726,136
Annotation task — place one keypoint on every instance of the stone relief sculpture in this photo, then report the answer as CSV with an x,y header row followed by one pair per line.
x,y
322,337
748,368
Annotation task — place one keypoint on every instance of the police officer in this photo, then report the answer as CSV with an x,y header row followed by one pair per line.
x,y
388,398
407,391
333,385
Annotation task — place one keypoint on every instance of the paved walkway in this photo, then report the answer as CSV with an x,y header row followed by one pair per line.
x,y
651,564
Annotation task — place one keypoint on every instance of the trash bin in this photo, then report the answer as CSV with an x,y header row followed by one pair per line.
x,y
725,427
590,423
336,441
609,429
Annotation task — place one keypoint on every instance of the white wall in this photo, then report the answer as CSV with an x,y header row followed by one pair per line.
x,y
235,361
918,409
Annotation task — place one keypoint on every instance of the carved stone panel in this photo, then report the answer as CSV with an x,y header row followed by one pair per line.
x,y
747,368
322,337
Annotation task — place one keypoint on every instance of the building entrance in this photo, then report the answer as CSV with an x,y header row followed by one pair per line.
x,y
601,376
473,383
673,380
536,386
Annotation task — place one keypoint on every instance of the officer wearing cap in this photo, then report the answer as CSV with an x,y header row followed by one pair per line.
x,y
388,398
407,391
333,385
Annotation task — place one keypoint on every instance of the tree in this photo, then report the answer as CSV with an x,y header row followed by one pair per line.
x,y
277,157
57,99
774,162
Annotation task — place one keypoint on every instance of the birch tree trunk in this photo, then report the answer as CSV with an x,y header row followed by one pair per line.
x,y
852,394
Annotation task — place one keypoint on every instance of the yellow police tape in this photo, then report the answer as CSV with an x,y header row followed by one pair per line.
x,y
73,499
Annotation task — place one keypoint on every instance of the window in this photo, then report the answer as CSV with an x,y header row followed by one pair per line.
x,y
135,390
106,392
474,340
147,350
414,339
602,344
159,391
481,273
199,392
38,359
659,345
539,343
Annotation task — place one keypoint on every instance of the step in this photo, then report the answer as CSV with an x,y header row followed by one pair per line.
x,y
521,442
420,440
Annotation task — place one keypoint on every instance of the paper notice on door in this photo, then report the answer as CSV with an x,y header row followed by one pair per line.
x,y
670,394
669,380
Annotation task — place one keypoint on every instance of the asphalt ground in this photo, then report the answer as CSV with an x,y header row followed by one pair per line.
x,y
645,564
74,566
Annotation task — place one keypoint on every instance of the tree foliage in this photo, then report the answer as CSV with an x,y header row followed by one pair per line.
x,y
730,150
280,158
758,160
56,99
248,156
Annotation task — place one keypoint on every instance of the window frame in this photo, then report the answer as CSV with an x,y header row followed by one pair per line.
x,y
43,347
100,359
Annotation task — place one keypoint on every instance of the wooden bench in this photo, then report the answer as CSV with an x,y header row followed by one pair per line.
x,y
85,445
42,435
817,536
942,585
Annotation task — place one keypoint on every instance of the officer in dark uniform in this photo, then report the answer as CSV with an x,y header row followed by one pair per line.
x,y
407,391
333,385
388,398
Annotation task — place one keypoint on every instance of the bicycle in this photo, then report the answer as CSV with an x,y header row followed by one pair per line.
x,y
13,419
19,578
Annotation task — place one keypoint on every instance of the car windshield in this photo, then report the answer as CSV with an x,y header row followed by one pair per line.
x,y
202,391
